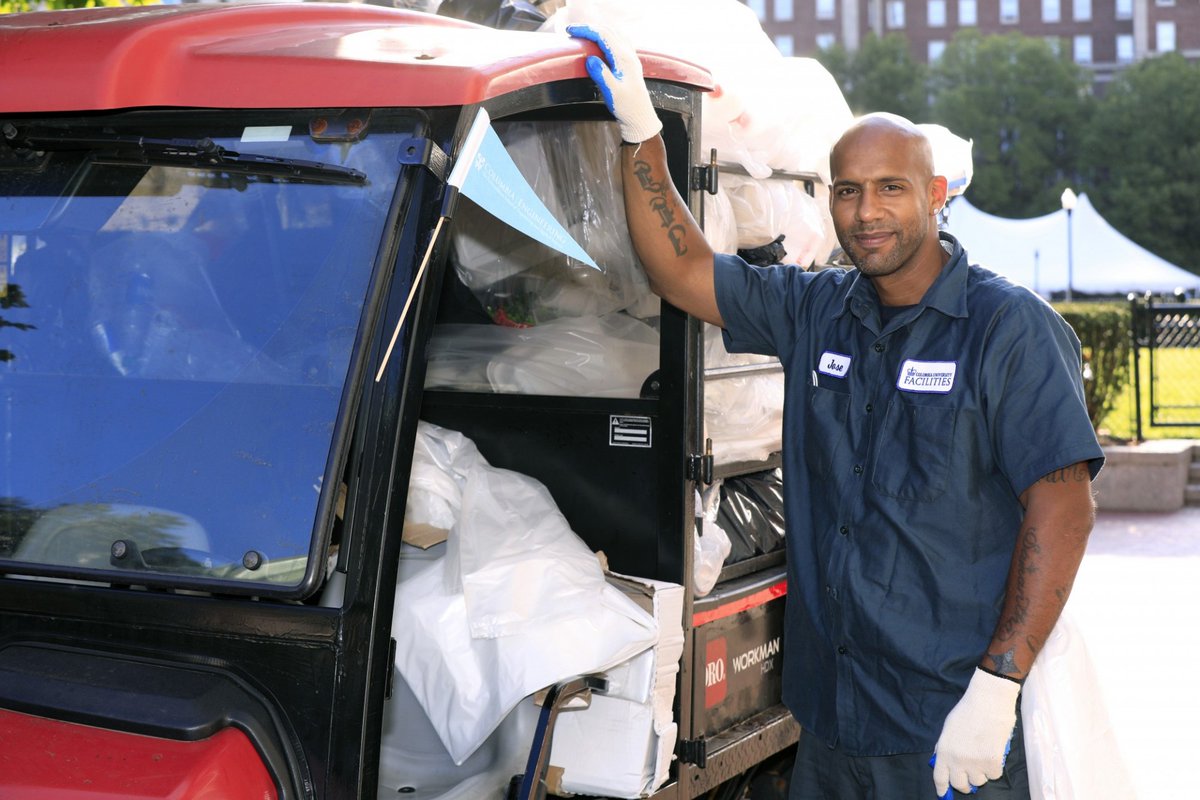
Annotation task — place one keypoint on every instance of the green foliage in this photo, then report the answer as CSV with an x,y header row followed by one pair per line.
x,y
881,76
1142,157
11,296
16,6
1024,106
1103,331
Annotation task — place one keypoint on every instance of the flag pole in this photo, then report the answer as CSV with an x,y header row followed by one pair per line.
x,y
412,292
468,149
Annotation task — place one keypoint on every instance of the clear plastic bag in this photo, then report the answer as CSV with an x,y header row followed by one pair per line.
x,y
764,209
743,414
608,356
572,167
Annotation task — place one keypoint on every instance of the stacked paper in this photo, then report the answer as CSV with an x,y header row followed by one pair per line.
x,y
621,746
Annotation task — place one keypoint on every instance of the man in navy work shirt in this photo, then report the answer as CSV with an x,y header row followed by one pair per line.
x,y
938,459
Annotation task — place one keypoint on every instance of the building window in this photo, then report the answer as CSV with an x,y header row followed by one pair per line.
x,y
937,13
967,13
1164,36
1054,43
1124,48
1051,11
784,12
825,41
1124,9
786,44
1010,12
1083,49
825,9
759,7
1082,10
1164,2
936,48
895,13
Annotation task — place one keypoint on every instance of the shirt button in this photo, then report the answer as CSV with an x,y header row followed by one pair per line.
x,y
844,531
879,348
832,592
870,407
842,650
858,470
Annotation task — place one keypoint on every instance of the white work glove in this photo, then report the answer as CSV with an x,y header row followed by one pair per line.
x,y
975,737
619,78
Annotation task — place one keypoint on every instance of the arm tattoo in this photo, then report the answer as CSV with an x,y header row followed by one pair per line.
x,y
1025,566
1076,473
661,206
1005,663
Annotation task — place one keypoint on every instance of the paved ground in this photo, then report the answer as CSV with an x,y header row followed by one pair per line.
x,y
1137,603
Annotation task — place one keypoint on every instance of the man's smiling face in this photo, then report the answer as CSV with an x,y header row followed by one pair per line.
x,y
884,198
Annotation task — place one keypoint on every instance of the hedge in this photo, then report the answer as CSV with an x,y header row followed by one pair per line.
x,y
1104,335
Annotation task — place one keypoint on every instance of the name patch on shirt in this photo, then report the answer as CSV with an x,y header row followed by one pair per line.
x,y
926,376
834,364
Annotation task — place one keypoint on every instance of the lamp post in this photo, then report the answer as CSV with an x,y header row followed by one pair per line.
x,y
1069,200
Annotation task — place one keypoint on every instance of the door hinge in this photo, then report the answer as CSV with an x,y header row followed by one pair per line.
x,y
389,684
694,751
700,467
704,176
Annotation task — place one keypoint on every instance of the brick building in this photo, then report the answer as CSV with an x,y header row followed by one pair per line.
x,y
1103,35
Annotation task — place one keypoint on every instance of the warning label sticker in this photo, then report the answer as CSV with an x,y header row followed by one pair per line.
x,y
626,431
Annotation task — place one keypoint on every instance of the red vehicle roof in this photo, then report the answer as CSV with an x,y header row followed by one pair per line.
x,y
302,55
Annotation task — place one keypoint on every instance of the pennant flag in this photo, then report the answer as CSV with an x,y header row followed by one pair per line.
x,y
485,172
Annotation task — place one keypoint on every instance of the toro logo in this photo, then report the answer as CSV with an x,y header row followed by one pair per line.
x,y
715,685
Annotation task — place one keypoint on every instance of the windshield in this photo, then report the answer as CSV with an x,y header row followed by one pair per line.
x,y
175,336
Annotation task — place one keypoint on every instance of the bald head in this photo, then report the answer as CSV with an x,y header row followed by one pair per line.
x,y
884,202
884,130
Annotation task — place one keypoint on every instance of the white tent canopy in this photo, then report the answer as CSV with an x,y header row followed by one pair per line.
x,y
1033,252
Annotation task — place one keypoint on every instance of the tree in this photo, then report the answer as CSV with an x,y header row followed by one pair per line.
x,y
1025,108
11,296
14,6
881,76
1142,157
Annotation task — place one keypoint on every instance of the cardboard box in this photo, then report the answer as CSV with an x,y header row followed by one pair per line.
x,y
622,745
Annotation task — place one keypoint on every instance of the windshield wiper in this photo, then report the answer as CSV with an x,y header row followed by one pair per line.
x,y
116,149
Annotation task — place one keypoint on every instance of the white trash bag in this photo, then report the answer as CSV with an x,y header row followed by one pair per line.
x,y
711,545
517,603
1070,747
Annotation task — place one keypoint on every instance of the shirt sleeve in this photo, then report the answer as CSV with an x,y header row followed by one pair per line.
x,y
1034,394
759,305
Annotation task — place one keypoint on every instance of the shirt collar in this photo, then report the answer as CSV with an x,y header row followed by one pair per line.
x,y
948,294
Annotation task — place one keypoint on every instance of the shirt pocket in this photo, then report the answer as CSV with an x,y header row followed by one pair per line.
x,y
825,428
916,443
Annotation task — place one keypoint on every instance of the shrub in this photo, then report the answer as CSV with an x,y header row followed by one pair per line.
x,y
1103,330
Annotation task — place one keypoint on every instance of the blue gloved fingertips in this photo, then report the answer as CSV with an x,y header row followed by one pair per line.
x,y
586,32
949,795
599,73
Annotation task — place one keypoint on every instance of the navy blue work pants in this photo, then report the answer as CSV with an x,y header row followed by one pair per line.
x,y
822,773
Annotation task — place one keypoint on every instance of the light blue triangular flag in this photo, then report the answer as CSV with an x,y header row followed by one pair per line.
x,y
485,172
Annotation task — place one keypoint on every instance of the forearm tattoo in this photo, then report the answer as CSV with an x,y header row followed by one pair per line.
x,y
1005,663
661,206
1026,565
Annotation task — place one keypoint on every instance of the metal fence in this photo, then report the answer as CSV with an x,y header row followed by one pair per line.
x,y
1169,335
